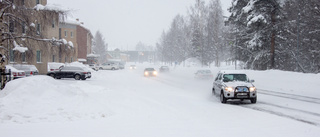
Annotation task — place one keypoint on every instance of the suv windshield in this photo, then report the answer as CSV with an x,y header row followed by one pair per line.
x,y
234,77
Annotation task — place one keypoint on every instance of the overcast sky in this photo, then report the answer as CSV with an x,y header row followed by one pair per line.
x,y
124,23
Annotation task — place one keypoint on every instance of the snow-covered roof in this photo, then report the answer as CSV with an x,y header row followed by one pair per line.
x,y
50,7
82,60
232,72
93,55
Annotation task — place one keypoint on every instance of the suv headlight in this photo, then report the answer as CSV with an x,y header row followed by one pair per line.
x,y
252,89
230,89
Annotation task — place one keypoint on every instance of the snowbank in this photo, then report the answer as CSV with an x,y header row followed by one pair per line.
x,y
43,99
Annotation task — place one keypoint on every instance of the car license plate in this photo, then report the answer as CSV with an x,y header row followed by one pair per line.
x,y
242,94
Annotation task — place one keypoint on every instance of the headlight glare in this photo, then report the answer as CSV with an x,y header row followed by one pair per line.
x,y
252,89
230,89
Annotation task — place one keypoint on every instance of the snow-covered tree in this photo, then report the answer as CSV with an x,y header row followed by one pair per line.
x,y
256,29
100,47
198,15
214,32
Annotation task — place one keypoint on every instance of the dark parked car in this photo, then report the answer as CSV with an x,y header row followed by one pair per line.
x,y
30,70
150,72
164,69
71,72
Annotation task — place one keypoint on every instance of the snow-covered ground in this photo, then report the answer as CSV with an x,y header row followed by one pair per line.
x,y
124,103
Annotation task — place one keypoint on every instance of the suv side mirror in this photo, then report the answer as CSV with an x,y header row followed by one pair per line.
x,y
251,81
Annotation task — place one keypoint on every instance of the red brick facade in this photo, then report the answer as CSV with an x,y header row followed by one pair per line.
x,y
84,40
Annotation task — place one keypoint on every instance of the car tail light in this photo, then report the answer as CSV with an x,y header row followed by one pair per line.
x,y
85,72
31,73
51,69
14,74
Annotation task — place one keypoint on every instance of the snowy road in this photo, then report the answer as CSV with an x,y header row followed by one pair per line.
x,y
173,104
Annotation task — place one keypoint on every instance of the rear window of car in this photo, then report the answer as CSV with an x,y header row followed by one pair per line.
x,y
149,69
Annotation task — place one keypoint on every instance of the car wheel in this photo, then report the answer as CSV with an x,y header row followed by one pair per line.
x,y
112,68
77,77
101,68
253,100
222,98
52,75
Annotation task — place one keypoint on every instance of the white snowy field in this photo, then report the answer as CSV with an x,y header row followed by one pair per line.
x,y
124,103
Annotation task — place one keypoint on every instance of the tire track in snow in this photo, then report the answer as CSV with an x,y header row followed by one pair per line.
x,y
290,96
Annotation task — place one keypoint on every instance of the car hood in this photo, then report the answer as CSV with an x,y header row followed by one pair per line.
x,y
238,83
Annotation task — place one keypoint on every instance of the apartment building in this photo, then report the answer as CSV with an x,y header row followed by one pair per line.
x,y
35,32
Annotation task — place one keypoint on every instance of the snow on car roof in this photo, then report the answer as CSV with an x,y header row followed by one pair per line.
x,y
232,72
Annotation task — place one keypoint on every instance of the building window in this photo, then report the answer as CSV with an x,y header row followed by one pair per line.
x,y
65,33
11,26
71,34
59,33
53,58
38,56
37,1
11,56
23,57
22,3
38,29
23,27
53,23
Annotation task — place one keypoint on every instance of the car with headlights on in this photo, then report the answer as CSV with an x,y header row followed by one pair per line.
x,y
234,85
133,67
75,72
148,72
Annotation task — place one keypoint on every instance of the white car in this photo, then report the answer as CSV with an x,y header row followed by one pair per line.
x,y
109,66
15,73
234,85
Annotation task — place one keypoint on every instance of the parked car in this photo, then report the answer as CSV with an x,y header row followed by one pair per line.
x,y
121,65
94,67
234,85
150,72
71,72
203,74
9,74
30,70
54,66
164,69
109,66
15,72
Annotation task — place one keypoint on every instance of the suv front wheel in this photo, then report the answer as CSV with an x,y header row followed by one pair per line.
x,y
253,100
222,98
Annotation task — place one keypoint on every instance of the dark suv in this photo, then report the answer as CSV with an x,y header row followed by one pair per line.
x,y
70,72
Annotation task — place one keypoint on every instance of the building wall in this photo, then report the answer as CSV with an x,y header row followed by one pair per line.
x,y
49,28
82,42
66,30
